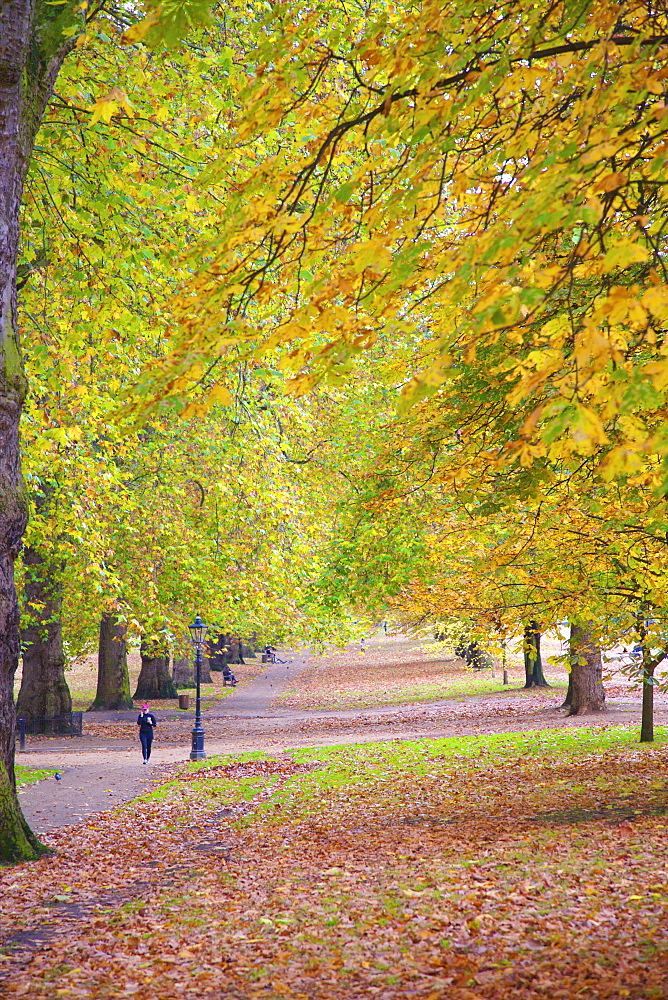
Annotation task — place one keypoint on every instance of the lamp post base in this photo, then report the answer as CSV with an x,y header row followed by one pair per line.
x,y
197,751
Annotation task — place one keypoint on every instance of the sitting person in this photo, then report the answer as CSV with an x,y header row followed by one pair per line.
x,y
228,676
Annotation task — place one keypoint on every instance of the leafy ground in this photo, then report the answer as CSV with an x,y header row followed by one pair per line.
x,y
524,865
398,670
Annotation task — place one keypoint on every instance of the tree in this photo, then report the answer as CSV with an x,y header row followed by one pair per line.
x,y
34,41
585,687
486,189
533,664
113,679
44,690
154,679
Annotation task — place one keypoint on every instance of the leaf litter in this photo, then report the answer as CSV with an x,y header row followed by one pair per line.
x,y
422,869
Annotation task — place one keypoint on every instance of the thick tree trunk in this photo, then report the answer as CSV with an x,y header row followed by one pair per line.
x,y
568,700
154,678
183,673
236,650
533,665
225,649
113,680
183,670
219,651
27,75
17,841
647,723
44,690
586,677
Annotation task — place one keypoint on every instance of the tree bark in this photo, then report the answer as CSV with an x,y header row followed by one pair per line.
x,y
568,700
586,676
219,651
183,673
647,719
44,690
154,678
533,665
29,65
17,841
113,680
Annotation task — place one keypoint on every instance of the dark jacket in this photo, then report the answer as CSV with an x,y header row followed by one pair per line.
x,y
146,722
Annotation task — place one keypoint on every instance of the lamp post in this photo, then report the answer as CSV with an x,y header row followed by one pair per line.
x,y
197,632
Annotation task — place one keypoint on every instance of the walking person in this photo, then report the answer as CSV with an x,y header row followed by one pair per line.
x,y
147,723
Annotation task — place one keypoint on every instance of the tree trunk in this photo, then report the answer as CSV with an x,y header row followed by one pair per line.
x,y
586,676
647,723
183,673
154,678
533,666
44,690
236,650
219,651
17,841
113,680
27,74
568,700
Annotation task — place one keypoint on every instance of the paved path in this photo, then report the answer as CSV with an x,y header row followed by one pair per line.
x,y
96,777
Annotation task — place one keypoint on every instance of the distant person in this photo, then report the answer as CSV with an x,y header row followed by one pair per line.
x,y
147,723
228,676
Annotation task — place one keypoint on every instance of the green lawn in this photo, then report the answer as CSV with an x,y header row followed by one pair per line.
x,y
28,775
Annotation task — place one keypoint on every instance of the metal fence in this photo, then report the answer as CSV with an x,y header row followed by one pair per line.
x,y
68,724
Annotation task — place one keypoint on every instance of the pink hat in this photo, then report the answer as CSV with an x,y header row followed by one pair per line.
x,y
144,707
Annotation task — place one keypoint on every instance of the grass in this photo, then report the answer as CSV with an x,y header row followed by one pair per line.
x,y
29,775
351,765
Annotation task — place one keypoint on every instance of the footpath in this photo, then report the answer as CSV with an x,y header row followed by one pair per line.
x,y
98,773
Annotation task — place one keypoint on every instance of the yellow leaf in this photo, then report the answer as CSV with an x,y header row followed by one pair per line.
x,y
106,107
619,462
220,394
138,32
611,182
658,372
623,254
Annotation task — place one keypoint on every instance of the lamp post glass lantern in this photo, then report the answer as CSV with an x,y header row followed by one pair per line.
x,y
198,631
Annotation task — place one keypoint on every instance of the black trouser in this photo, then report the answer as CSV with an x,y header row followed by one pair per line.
x,y
146,741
